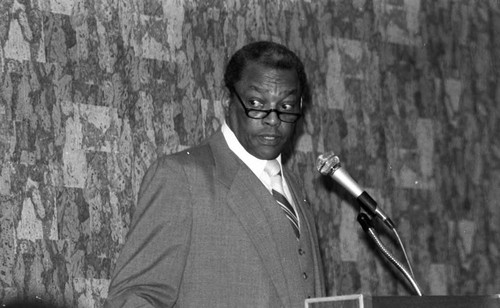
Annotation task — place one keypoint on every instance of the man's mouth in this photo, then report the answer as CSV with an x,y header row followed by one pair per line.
x,y
270,139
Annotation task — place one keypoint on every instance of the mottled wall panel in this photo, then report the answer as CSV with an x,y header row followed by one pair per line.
x,y
406,92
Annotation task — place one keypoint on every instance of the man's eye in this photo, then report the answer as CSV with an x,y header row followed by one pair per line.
x,y
253,103
287,107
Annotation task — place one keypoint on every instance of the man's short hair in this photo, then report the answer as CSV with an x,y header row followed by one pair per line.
x,y
271,55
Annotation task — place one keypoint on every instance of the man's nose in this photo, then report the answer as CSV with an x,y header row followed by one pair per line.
x,y
272,118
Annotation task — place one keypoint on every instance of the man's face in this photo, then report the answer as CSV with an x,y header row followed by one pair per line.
x,y
262,87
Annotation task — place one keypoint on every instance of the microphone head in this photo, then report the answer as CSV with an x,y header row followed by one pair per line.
x,y
328,163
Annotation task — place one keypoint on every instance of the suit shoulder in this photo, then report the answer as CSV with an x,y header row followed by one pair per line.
x,y
180,166
199,155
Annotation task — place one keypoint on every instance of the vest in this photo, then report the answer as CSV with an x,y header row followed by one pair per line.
x,y
296,255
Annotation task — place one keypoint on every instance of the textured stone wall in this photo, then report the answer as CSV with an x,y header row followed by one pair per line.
x,y
406,92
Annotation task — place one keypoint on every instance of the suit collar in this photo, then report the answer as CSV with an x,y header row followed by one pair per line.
x,y
226,162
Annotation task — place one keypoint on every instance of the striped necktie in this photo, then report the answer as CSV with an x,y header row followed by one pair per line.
x,y
274,171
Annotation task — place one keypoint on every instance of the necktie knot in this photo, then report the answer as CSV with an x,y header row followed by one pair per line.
x,y
272,168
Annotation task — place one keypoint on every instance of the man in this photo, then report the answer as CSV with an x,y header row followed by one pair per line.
x,y
207,231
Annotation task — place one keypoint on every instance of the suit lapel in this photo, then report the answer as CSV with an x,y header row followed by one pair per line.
x,y
299,199
246,197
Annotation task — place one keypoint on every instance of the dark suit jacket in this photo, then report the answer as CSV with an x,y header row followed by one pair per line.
x,y
200,237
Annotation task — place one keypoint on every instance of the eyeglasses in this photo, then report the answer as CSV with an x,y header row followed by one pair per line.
x,y
288,117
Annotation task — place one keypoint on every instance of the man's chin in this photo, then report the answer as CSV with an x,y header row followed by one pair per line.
x,y
267,155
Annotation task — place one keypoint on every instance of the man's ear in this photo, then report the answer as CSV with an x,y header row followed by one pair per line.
x,y
226,99
224,103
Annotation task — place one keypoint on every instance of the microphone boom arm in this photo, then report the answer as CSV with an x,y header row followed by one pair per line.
x,y
365,223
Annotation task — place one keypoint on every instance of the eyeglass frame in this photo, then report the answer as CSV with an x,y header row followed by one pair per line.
x,y
267,112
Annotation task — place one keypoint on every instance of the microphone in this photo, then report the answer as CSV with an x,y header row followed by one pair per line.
x,y
329,164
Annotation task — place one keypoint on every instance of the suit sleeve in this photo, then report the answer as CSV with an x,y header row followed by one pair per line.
x,y
149,270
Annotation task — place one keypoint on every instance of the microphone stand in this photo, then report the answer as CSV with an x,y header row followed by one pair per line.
x,y
368,227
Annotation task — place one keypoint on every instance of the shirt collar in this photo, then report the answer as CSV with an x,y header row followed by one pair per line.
x,y
255,164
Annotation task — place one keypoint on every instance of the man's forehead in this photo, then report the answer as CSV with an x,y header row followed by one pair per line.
x,y
275,88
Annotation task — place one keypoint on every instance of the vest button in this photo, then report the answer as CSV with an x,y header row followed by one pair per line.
x,y
304,274
301,252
